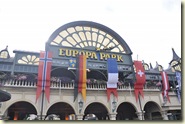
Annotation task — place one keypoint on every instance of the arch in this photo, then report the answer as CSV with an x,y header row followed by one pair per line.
x,y
98,109
126,111
62,72
152,111
62,109
85,34
97,74
20,110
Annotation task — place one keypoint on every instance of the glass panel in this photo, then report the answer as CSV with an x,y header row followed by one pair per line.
x,y
71,40
90,43
101,32
111,45
58,39
53,43
79,28
76,37
88,35
65,43
24,58
98,45
101,47
87,28
33,58
78,46
28,57
71,30
115,50
106,41
4,54
94,43
100,38
21,62
82,45
82,36
108,36
85,43
64,33
120,47
94,36
115,41
94,29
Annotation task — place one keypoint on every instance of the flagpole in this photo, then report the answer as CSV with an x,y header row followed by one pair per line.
x,y
42,103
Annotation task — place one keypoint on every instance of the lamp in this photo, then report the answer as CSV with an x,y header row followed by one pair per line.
x,y
80,103
114,105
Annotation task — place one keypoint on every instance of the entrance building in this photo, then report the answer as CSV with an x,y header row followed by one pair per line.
x,y
19,77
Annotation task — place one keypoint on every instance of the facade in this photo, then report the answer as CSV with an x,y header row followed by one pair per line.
x,y
19,76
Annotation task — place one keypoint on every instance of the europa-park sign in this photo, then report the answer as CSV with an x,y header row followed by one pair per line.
x,y
93,55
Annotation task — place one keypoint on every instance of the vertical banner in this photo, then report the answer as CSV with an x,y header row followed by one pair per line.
x,y
44,70
112,71
81,77
166,86
140,79
178,77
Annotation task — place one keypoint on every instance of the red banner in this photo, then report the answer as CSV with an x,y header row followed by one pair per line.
x,y
44,70
140,79
166,86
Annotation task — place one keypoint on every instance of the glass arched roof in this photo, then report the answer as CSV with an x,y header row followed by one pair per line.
x,y
88,35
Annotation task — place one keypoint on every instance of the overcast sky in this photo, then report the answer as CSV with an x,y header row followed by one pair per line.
x,y
151,28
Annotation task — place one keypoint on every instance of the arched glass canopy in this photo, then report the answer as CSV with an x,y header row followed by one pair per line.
x,y
88,35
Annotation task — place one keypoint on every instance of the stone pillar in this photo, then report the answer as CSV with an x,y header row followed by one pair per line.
x,y
39,117
79,117
164,115
140,115
112,116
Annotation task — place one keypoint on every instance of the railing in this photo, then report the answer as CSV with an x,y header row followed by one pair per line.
x,y
60,85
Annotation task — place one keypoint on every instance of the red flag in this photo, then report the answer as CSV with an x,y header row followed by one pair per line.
x,y
44,70
166,86
140,79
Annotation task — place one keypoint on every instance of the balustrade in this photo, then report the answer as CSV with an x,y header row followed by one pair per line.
x,y
70,85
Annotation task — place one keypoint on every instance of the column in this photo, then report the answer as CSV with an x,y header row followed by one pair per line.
x,y
140,115
39,117
164,115
112,116
79,117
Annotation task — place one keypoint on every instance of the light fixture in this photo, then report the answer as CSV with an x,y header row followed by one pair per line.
x,y
114,105
80,103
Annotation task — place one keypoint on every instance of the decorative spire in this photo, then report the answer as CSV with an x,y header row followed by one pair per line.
x,y
151,66
175,56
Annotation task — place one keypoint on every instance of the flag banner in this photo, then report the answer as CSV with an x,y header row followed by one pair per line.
x,y
112,71
166,86
140,79
44,71
81,77
178,87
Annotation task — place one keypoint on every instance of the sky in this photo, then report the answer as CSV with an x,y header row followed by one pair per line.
x,y
151,28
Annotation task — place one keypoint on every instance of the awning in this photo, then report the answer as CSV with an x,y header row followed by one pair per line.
x,y
4,96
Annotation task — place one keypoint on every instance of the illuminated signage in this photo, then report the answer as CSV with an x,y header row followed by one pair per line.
x,y
90,54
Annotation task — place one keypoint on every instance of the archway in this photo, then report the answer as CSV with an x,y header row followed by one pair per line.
x,y
20,110
126,111
152,111
62,72
98,109
62,109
